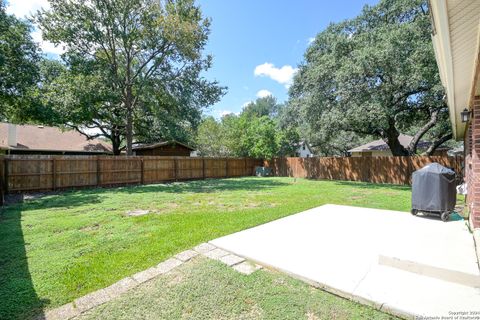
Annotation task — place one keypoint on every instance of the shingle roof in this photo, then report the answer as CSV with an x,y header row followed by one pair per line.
x,y
381,145
38,138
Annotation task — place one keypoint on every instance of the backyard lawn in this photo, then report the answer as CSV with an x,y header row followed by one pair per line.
x,y
60,247
264,294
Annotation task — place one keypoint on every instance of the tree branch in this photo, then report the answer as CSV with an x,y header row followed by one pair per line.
x,y
437,143
412,146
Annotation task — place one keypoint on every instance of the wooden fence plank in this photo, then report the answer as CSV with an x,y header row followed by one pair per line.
x,y
391,170
20,173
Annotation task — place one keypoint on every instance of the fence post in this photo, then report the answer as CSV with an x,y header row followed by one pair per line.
x,y
1,193
203,168
2,185
367,165
409,170
98,170
54,175
142,169
226,168
175,164
245,171
5,176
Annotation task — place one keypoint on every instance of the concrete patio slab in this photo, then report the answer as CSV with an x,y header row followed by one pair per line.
x,y
407,265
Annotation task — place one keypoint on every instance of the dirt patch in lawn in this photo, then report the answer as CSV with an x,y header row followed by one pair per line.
x,y
90,228
357,197
137,213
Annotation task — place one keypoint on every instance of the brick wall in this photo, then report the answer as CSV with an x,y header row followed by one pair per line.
x,y
472,164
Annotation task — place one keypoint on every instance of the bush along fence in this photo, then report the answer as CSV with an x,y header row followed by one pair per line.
x,y
46,173
392,170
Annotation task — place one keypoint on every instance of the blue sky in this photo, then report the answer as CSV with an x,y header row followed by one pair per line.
x,y
256,44
246,34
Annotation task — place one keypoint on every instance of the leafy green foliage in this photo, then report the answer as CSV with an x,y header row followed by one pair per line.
x,y
374,75
256,132
211,138
133,68
19,56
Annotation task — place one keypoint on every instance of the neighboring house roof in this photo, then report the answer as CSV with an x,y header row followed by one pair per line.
x,y
40,138
302,143
380,145
160,144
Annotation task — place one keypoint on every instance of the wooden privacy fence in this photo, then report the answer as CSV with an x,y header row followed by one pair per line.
x,y
41,173
394,170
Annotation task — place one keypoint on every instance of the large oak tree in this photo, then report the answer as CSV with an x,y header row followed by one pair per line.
x,y
19,56
127,63
374,76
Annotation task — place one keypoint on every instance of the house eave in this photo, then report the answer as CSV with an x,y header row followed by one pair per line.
x,y
54,150
456,45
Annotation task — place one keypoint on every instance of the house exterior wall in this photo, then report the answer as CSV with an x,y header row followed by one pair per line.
x,y
472,164
303,151
171,150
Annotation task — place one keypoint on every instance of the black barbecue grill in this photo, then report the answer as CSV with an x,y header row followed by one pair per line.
x,y
434,191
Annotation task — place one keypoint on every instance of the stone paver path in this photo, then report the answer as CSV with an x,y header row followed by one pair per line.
x,y
247,267
96,298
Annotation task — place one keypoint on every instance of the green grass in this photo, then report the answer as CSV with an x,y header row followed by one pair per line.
x,y
57,248
206,289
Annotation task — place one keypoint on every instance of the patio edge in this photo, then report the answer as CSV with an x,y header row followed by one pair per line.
x,y
340,293
476,240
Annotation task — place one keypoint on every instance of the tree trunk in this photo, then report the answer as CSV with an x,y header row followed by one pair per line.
x,y
116,140
129,127
391,138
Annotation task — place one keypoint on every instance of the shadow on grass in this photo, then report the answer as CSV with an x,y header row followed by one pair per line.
x,y
73,198
206,186
18,299
67,199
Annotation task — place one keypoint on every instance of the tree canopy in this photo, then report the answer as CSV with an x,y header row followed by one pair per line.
x,y
19,57
131,68
255,132
373,76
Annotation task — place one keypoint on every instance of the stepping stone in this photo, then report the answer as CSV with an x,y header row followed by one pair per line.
x,y
247,267
91,300
167,265
231,259
216,254
120,287
186,255
136,213
67,311
204,248
146,275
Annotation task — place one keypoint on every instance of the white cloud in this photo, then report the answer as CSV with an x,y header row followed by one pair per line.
x,y
46,46
25,8
224,113
246,104
283,75
310,40
263,93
